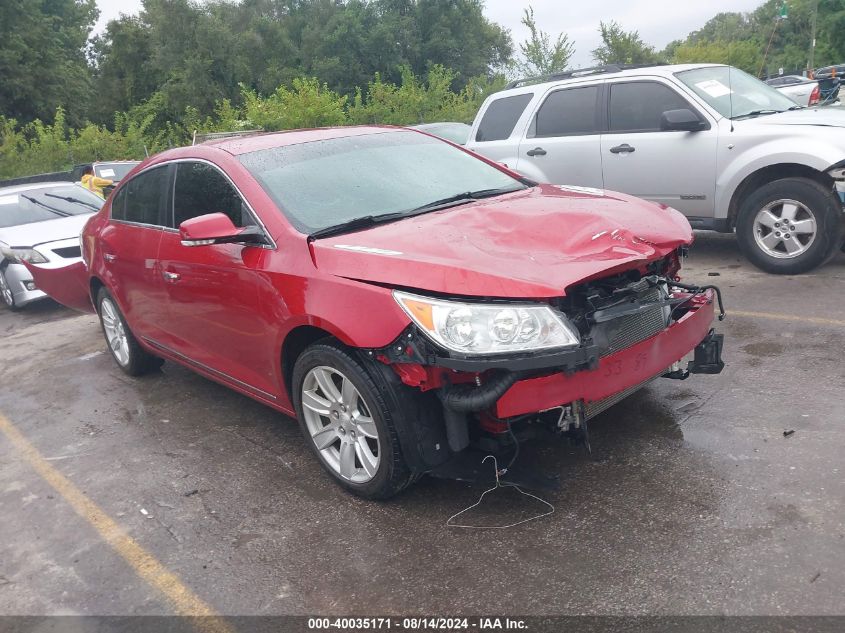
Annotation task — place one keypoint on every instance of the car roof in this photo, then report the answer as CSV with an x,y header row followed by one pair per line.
x,y
267,140
530,84
30,186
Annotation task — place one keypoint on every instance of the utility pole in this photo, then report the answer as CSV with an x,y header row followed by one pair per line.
x,y
813,37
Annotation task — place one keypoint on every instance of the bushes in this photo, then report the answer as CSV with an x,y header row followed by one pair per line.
x,y
147,128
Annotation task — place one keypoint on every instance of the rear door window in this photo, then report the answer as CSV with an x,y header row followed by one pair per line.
x,y
638,106
501,116
143,200
201,189
569,112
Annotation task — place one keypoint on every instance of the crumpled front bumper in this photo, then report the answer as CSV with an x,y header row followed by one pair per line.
x,y
616,373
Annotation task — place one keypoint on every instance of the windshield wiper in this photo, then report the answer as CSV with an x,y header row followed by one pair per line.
x,y
64,214
355,224
463,198
71,199
757,113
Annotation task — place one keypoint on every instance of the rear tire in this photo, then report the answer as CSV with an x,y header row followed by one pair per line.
x,y
124,347
348,422
790,226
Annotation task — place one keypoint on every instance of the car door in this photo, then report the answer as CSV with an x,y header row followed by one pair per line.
x,y
670,167
562,144
213,291
129,249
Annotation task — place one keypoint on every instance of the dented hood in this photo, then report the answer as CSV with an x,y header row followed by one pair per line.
x,y
533,243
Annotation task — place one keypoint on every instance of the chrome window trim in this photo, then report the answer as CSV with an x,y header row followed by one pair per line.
x,y
175,161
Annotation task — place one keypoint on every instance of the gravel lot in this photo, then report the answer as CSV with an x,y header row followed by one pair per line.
x,y
694,502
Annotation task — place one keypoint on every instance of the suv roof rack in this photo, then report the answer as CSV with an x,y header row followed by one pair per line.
x,y
580,72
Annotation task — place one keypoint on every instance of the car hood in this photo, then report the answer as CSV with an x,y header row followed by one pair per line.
x,y
529,244
28,235
826,116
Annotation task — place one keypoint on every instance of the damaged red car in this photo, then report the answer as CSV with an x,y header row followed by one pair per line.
x,y
402,297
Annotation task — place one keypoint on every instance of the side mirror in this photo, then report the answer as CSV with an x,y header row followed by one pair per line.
x,y
217,228
681,121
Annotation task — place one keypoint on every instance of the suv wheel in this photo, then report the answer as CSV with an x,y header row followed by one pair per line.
x,y
348,422
6,292
123,345
790,226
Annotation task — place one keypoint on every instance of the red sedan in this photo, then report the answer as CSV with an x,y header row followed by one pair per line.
x,y
401,296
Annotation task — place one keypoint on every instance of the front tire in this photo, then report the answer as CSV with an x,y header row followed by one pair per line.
x,y
348,423
6,292
790,226
124,347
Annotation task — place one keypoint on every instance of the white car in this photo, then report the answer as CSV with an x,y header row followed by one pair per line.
x,y
803,91
40,223
718,145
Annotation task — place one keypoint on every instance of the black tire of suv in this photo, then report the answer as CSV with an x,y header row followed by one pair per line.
x,y
393,473
819,200
140,360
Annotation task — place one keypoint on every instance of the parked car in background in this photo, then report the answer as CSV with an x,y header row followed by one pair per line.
x,y
725,149
827,72
455,132
400,296
39,223
113,170
803,91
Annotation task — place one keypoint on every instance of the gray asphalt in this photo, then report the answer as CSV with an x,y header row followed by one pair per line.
x,y
694,501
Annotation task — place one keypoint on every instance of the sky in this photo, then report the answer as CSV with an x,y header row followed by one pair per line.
x,y
658,21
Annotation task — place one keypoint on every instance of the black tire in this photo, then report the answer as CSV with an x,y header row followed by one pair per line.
x,y
817,200
139,360
6,293
393,473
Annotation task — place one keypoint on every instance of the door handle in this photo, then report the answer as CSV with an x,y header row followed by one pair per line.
x,y
622,149
537,151
171,276
109,257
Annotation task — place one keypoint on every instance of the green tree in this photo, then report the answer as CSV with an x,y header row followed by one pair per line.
x,y
42,58
623,47
539,55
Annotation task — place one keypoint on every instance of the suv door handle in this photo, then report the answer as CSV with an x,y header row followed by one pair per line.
x,y
622,149
537,151
171,276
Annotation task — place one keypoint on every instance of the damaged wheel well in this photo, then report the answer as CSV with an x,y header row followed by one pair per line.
x,y
95,285
295,343
770,174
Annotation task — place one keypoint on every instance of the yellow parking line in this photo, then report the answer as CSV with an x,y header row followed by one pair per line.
x,y
786,317
183,600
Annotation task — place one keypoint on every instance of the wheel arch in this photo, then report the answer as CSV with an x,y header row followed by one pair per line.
x,y
769,174
94,285
296,342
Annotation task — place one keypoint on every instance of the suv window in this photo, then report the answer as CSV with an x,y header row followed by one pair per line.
x,y
501,116
202,189
638,106
141,199
569,112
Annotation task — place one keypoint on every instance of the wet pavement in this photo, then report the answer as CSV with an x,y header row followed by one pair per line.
x,y
694,501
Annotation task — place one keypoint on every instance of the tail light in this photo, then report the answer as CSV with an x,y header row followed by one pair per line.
x,y
815,96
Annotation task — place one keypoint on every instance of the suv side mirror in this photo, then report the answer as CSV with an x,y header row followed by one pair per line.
x,y
683,120
217,228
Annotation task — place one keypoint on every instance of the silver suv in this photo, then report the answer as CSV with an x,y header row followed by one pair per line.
x,y
728,151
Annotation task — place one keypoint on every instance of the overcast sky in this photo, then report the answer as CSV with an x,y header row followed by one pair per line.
x,y
658,21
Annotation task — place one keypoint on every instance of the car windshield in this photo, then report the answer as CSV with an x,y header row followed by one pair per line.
x,y
47,203
113,171
734,93
333,182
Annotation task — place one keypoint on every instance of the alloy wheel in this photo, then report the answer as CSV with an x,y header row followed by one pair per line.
x,y
784,229
115,331
6,291
340,424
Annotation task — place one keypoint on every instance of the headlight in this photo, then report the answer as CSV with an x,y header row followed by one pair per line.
x,y
20,255
477,328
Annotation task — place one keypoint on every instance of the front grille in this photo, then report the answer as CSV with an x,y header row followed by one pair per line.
x,y
631,329
68,252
